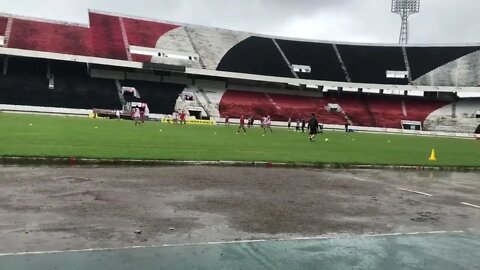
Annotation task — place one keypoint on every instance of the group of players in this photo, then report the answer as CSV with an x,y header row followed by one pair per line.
x,y
139,113
265,123
182,116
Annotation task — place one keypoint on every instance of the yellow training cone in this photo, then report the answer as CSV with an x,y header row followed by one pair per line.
x,y
432,156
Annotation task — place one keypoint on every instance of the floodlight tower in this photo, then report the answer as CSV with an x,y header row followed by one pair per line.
x,y
405,8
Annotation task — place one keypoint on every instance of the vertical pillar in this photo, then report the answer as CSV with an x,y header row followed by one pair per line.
x,y
5,65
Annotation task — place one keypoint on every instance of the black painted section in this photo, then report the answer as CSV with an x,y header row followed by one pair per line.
x,y
160,97
425,59
320,57
255,55
26,83
368,64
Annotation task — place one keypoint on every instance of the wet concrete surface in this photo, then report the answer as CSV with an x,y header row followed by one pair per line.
x,y
61,208
421,251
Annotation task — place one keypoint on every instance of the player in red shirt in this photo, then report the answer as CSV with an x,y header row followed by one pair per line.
x,y
182,118
242,125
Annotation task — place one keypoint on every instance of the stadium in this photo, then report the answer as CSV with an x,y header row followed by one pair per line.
x,y
67,92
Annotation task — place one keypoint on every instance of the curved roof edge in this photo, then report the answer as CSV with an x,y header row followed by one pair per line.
x,y
37,19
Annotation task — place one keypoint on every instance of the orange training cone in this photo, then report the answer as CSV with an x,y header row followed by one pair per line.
x,y
432,156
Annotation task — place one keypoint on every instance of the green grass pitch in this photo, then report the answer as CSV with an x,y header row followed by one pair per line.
x,y
53,136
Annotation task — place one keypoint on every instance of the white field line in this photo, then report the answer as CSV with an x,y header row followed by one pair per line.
x,y
229,242
359,179
469,204
417,192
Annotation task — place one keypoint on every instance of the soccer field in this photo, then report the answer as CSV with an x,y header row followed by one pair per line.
x,y
53,136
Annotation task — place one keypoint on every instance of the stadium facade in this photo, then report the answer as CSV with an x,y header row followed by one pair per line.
x,y
215,72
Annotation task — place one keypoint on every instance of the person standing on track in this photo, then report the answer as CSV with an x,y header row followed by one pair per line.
x,y
313,127
242,125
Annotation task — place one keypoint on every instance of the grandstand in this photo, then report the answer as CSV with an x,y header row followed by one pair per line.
x,y
51,65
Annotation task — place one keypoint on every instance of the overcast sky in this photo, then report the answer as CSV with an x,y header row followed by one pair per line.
x,y
439,21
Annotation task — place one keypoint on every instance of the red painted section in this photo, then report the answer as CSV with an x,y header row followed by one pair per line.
x,y
298,107
419,110
236,103
280,107
3,25
356,109
141,58
387,111
145,33
49,37
103,39
106,37
367,110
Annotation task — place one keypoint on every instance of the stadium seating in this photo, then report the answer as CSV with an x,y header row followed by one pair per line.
x,y
106,37
362,109
3,25
145,34
110,36
279,107
425,59
50,37
26,83
160,97
369,64
355,107
255,55
320,57
465,116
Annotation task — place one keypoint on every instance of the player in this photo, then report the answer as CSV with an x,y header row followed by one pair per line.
x,y
118,114
227,121
142,112
313,127
289,122
297,128
136,115
146,112
242,125
175,117
252,120
183,120
267,124
303,125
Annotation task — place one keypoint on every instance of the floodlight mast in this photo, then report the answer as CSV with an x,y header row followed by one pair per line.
x,y
405,8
